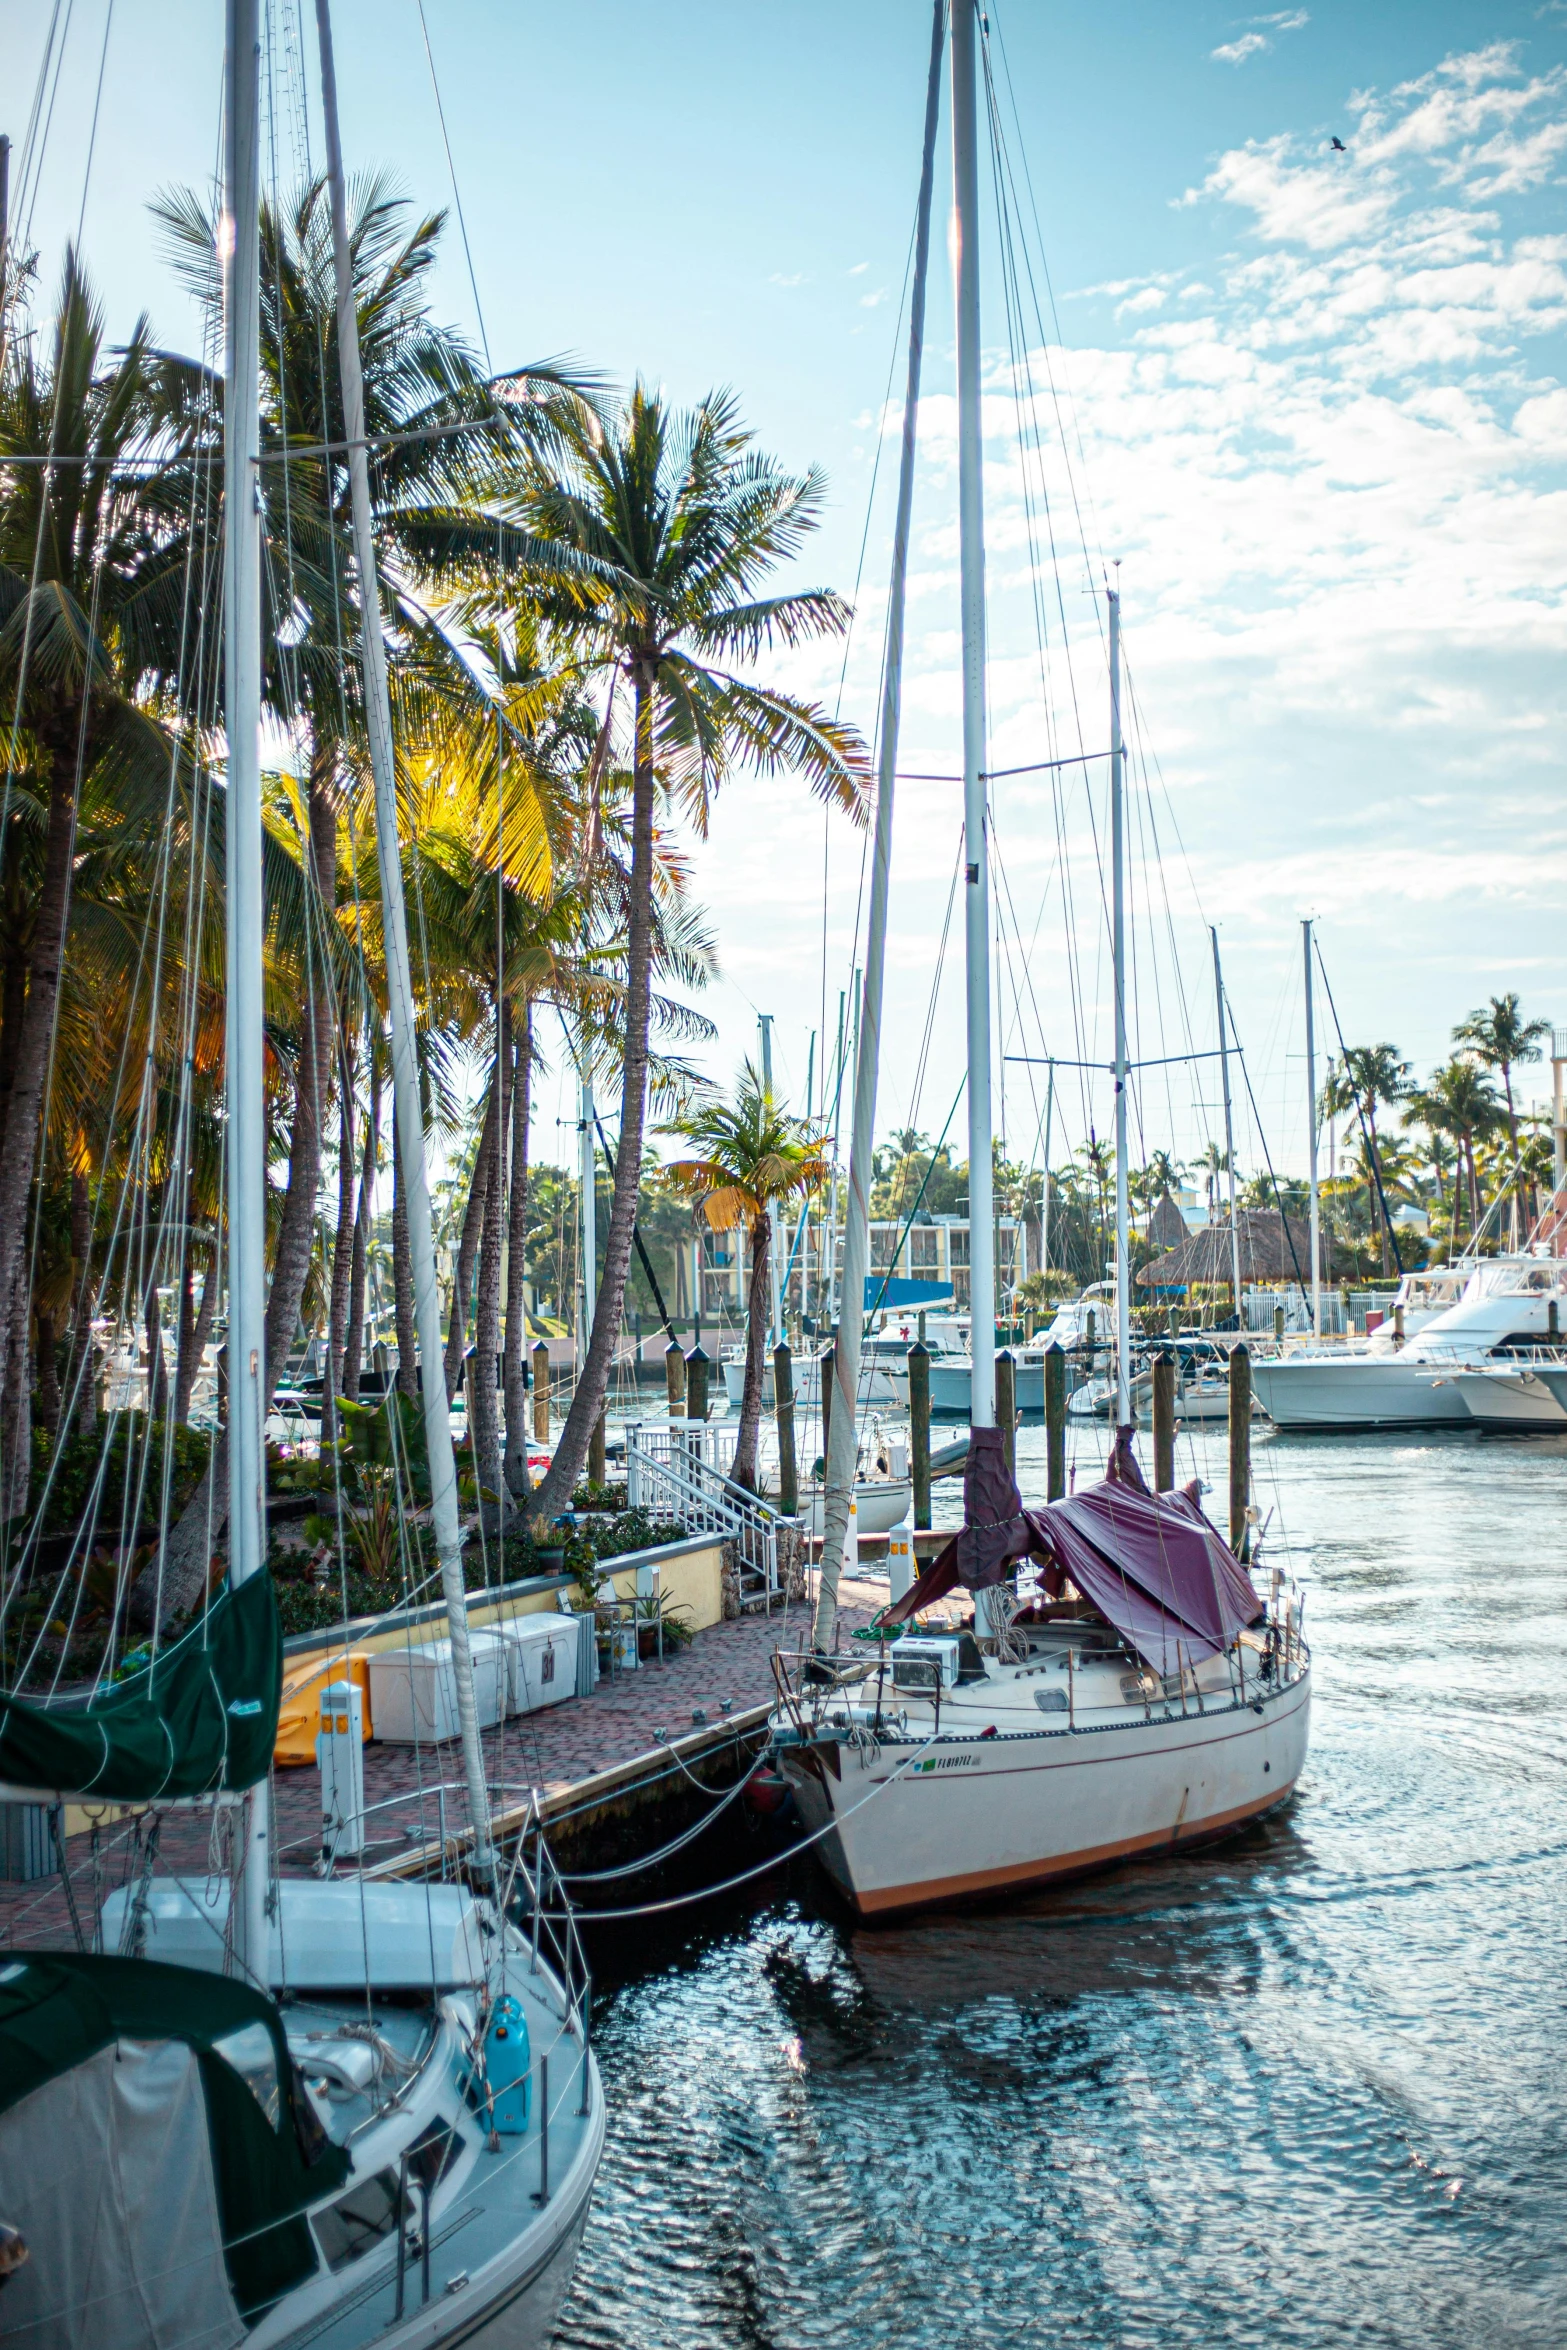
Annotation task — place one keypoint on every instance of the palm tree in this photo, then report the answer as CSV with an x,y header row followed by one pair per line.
x,y
102,542
1500,1038
648,550
747,1156
1365,1078
1457,1101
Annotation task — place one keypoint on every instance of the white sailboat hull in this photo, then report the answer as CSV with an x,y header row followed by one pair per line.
x,y
880,1503
979,1817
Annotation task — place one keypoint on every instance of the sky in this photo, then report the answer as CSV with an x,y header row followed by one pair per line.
x,y
1310,402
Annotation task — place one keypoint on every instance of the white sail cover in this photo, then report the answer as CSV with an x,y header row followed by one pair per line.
x,y
107,2171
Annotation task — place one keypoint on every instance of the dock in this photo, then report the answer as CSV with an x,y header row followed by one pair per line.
x,y
613,1774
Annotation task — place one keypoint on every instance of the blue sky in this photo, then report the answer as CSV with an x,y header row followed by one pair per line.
x,y
1313,404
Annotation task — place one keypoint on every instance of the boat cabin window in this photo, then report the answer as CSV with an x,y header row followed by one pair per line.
x,y
250,2053
359,2220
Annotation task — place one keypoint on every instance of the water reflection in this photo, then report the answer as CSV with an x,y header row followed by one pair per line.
x,y
1301,2089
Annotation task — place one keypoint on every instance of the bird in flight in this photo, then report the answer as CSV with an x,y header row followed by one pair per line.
x,y
1339,147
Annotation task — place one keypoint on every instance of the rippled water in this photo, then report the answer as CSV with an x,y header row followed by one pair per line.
x,y
1306,2089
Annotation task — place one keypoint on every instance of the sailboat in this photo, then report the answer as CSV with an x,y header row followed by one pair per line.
x,y
261,2109
1122,1687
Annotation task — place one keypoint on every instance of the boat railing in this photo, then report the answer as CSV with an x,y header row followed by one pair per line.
x,y
671,1468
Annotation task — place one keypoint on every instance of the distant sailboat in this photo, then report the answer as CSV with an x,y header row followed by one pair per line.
x,y
1128,1690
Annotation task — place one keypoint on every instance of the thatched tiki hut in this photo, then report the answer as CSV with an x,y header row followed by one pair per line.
x,y
1273,1249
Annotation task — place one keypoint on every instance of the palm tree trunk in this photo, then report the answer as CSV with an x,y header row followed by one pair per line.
x,y
342,1244
190,1362
483,1419
83,1366
744,1471
19,1149
48,1377
157,1368
403,1283
571,1452
186,1552
515,1467
468,1249
354,1337
184,1332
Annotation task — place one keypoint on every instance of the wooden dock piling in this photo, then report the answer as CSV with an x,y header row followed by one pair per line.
x,y
596,1448
783,1405
919,1428
1163,1422
541,1393
1055,1422
1240,1450
675,1380
697,1367
1006,1406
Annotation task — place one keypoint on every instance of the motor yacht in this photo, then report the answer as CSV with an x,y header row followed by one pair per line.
x,y
1507,1306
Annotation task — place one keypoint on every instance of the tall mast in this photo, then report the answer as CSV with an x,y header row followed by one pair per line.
x,y
399,984
1229,1126
774,1297
1123,1300
976,836
1311,1141
843,1431
245,1076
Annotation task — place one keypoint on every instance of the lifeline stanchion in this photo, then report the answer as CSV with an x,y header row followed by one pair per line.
x,y
543,2194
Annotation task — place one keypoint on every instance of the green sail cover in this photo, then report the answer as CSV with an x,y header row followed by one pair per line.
x,y
270,2156
201,1720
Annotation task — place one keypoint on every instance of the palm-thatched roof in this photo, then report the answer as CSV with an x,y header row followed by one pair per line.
x,y
1167,1227
1266,1240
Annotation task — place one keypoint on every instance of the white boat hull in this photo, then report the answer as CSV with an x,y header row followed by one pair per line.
x,y
1358,1391
950,1384
876,1386
880,1503
1519,1401
974,1818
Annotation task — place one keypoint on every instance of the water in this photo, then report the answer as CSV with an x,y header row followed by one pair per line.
x,y
1304,2090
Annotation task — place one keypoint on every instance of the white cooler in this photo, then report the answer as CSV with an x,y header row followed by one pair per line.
x,y
541,1660
413,1691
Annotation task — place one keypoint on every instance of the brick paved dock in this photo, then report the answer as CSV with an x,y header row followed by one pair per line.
x,y
552,1751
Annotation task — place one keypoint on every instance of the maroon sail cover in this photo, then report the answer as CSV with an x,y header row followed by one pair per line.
x,y
1151,1563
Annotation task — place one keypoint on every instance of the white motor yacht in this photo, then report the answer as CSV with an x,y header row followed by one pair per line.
x,y
1506,1307
1512,1399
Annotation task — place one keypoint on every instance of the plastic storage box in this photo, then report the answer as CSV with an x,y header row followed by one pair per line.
x,y
541,1661
413,1691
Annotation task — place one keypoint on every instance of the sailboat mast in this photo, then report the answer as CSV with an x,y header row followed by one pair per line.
x,y
774,1287
1311,1142
1229,1124
1123,1299
971,564
245,1076
399,985
587,1172
843,1429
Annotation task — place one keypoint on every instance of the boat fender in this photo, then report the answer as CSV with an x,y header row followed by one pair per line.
x,y
989,1731
508,2065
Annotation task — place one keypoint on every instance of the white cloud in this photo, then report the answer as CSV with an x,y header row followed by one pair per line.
x,y
797,277
873,301
1237,52
859,269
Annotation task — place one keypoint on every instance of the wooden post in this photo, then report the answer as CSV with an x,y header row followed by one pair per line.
x,y
783,1404
541,1393
919,1428
1175,1321
1163,1422
596,1448
1089,1336
1553,1323
1006,1406
1055,1422
1240,1450
1398,1325
697,1367
675,1380
1278,1325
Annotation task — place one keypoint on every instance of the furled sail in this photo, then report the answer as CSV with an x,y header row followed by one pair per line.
x,y
200,1720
